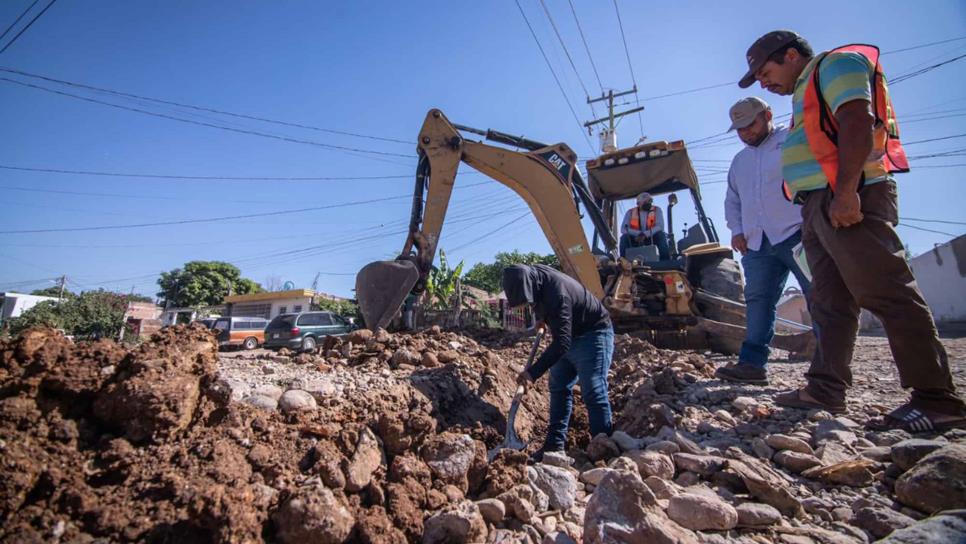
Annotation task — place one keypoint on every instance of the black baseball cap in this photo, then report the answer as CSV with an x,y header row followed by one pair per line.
x,y
763,47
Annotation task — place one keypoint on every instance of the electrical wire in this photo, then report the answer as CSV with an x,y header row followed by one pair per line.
x,y
206,124
943,221
928,230
630,65
923,45
567,53
554,74
24,29
910,75
203,108
22,15
583,38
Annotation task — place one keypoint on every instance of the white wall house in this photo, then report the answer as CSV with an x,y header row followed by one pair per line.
x,y
941,275
270,304
14,304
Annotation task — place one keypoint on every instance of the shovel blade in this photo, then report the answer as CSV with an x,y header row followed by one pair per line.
x,y
381,288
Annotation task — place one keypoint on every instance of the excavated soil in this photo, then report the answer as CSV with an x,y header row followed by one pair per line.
x,y
383,438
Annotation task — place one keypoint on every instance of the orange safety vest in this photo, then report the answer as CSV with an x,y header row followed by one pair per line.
x,y
821,128
635,222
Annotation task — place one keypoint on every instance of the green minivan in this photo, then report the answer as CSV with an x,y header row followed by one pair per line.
x,y
304,331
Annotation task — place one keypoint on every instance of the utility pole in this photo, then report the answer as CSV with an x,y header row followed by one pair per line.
x,y
608,134
315,282
63,284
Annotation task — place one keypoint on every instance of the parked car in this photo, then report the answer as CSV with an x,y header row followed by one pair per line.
x,y
246,332
304,330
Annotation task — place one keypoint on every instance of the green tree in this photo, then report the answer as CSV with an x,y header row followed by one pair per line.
x,y
345,308
203,283
488,276
91,314
51,292
442,281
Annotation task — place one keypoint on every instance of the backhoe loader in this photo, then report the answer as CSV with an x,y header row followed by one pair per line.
x,y
693,300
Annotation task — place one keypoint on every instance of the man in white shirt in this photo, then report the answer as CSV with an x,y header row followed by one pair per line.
x,y
765,227
643,225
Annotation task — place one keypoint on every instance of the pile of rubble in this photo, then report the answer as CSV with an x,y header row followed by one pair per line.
x,y
383,438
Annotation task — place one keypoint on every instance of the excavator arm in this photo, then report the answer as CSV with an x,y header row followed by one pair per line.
x,y
545,177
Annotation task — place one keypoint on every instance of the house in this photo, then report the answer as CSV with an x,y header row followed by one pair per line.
x,y
271,304
15,304
143,318
941,275
174,315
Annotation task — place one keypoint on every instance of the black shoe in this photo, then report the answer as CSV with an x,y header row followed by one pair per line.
x,y
743,373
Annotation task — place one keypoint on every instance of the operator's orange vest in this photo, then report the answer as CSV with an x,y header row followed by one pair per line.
x,y
821,128
635,222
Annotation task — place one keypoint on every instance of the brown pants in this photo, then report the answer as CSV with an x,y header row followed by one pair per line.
x,y
863,266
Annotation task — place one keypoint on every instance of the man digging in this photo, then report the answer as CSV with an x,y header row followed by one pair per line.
x,y
582,347
838,161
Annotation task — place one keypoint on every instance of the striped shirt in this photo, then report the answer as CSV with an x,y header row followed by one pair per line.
x,y
843,77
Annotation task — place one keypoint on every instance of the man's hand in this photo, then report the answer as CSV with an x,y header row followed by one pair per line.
x,y
524,379
845,209
739,242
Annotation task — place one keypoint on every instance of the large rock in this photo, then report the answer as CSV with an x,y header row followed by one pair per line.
x,y
296,400
854,473
879,522
702,512
937,482
908,452
492,510
950,526
764,483
367,458
557,483
652,463
625,441
459,523
784,442
623,509
450,456
602,447
705,465
595,475
313,514
156,389
796,461
753,514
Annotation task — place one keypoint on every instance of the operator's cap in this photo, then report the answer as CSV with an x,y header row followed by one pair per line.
x,y
644,197
744,111
759,51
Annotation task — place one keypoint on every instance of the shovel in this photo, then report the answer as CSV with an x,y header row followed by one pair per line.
x,y
511,440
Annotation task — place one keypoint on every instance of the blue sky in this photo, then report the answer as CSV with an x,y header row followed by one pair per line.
x,y
375,68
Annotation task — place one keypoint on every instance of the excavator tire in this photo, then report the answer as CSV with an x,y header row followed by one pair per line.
x,y
722,276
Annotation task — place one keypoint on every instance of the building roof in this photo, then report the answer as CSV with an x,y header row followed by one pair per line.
x,y
271,295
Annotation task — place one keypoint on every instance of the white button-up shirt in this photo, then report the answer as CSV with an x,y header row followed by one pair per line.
x,y
755,203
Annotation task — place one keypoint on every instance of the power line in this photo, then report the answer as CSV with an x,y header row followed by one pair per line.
x,y
492,232
24,29
22,15
567,53
928,230
553,73
934,139
689,91
207,178
205,124
203,108
583,38
630,66
923,45
943,221
910,75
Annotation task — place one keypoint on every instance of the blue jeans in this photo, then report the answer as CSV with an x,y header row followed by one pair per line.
x,y
766,271
588,361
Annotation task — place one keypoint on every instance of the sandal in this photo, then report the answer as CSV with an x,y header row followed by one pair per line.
x,y
914,420
793,399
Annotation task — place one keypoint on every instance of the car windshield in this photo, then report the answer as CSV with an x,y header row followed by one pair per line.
x,y
283,321
221,325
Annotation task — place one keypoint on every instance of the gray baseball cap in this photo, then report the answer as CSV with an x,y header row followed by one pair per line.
x,y
759,51
744,111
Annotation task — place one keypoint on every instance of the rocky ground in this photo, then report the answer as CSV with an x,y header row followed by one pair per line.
x,y
385,438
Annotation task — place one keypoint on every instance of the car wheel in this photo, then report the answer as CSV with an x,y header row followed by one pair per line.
x,y
250,343
308,344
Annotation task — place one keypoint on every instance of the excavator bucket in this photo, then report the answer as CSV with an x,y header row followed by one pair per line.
x,y
381,288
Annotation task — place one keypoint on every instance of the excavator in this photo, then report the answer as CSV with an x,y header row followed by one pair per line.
x,y
694,300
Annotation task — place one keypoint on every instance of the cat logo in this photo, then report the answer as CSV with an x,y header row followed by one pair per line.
x,y
556,161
